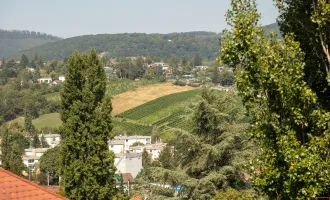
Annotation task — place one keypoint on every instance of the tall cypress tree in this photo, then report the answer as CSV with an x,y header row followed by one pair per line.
x,y
11,156
87,165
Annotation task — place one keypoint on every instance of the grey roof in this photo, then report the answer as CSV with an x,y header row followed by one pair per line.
x,y
114,142
131,137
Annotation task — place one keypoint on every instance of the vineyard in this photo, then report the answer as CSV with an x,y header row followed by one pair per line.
x,y
132,128
175,120
153,106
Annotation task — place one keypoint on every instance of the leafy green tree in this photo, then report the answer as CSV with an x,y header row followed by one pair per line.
x,y
11,152
44,143
166,158
146,158
226,78
173,64
309,22
10,64
210,158
28,126
288,120
197,60
215,76
87,165
50,163
36,141
24,61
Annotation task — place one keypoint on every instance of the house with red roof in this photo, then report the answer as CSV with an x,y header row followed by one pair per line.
x,y
15,187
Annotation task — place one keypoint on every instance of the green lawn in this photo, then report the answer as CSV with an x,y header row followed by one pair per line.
x,y
47,120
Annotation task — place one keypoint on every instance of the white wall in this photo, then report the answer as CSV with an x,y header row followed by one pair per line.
x,y
129,165
116,148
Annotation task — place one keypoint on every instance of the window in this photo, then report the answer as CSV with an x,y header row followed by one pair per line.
x,y
30,161
111,146
126,140
150,150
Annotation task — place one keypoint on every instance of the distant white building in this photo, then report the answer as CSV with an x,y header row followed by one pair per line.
x,y
61,78
128,163
117,146
30,69
202,67
45,80
129,140
53,140
32,156
153,149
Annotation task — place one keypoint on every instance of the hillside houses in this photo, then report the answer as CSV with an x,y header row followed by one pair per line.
x,y
122,143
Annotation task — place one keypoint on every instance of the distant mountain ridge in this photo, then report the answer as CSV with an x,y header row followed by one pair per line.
x,y
14,41
184,44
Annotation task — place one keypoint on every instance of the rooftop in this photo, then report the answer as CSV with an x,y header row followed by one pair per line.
x,y
131,137
15,187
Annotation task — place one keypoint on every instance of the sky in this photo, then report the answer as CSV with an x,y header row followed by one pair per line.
x,y
69,18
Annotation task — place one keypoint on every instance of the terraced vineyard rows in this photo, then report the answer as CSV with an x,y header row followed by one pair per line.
x,y
158,104
175,120
133,128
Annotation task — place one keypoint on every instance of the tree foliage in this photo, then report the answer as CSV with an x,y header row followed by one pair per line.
x,y
50,163
288,119
11,151
210,158
87,165
309,22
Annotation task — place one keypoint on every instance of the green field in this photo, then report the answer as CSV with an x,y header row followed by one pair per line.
x,y
154,106
46,120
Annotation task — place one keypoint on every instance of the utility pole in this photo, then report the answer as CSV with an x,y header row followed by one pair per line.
x,y
47,178
128,188
29,173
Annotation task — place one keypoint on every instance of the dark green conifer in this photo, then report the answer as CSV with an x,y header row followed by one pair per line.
x,y
87,165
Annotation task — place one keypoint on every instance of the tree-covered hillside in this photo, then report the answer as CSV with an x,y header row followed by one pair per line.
x,y
135,44
12,42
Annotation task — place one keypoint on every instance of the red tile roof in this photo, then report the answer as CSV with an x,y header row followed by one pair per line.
x,y
15,187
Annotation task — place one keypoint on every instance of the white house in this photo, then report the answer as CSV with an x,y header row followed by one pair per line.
x,y
53,140
153,149
32,156
202,67
129,140
128,163
117,146
29,69
45,80
61,78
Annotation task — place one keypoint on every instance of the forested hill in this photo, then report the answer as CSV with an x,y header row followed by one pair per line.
x,y
14,41
187,44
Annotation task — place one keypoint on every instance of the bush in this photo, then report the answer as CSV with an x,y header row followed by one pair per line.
x,y
162,79
179,83
231,194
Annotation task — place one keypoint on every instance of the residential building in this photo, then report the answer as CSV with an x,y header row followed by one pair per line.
x,y
128,163
45,80
202,67
32,156
30,69
117,146
220,69
61,78
15,187
56,82
129,140
153,149
53,140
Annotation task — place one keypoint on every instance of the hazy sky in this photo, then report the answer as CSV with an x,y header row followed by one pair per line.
x,y
67,18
